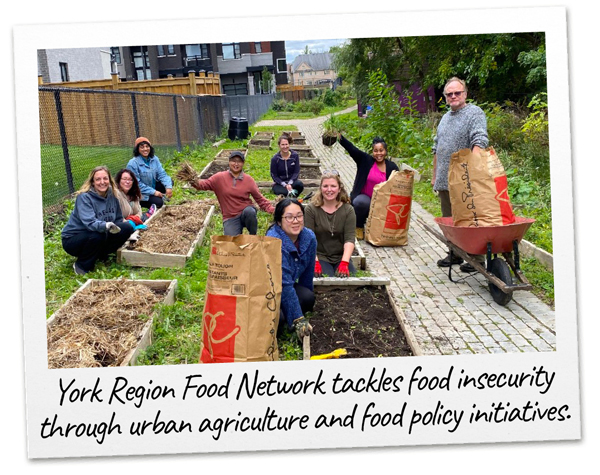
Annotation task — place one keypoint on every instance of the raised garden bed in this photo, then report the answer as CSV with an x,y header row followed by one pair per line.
x,y
304,151
102,323
171,238
261,140
213,167
359,260
359,315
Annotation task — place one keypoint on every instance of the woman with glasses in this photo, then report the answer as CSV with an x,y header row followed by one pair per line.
x,y
155,184
96,227
370,171
298,253
285,169
333,220
128,193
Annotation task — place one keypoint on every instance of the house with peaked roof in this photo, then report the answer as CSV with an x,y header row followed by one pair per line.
x,y
312,69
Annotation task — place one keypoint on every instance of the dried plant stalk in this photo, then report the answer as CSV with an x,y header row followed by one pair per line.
x,y
100,325
187,173
175,229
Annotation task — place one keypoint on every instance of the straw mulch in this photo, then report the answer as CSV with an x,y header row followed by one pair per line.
x,y
99,325
187,173
174,230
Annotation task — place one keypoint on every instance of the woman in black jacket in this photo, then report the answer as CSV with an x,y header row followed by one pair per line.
x,y
285,168
370,171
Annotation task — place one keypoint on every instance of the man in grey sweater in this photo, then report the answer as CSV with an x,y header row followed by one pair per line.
x,y
463,126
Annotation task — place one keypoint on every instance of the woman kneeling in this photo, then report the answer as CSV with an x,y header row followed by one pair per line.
x,y
298,252
96,227
333,220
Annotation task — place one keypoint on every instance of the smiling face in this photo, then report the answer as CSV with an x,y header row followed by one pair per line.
x,y
284,146
126,182
236,164
379,152
330,189
144,149
292,221
101,182
456,96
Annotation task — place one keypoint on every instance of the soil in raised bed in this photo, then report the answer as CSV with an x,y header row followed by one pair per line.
x,y
310,173
100,325
215,168
361,320
175,229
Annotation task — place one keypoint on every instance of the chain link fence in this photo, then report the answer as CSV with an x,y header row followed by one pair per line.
x,y
81,129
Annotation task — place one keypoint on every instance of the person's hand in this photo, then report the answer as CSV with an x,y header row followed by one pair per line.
x,y
158,193
303,328
288,187
342,270
113,228
196,184
169,193
318,270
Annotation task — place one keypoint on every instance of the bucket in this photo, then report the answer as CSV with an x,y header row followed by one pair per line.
x,y
238,128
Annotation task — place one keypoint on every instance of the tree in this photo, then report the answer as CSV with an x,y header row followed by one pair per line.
x,y
488,63
266,81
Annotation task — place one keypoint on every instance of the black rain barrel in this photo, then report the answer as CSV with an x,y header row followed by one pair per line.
x,y
238,128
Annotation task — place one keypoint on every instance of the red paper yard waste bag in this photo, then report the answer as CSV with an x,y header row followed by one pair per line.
x,y
478,189
243,294
389,214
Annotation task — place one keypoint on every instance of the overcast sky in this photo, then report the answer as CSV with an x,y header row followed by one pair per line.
x,y
294,48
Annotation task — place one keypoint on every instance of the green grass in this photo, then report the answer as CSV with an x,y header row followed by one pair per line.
x,y
281,115
177,328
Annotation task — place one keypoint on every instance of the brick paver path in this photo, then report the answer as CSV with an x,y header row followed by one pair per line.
x,y
446,317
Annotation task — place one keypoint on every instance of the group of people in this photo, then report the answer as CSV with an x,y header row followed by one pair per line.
x,y
107,211
317,239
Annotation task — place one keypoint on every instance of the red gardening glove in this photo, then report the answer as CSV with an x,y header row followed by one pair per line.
x,y
342,270
318,270
135,218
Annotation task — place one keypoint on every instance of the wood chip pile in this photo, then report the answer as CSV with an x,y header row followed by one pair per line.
x,y
175,229
99,325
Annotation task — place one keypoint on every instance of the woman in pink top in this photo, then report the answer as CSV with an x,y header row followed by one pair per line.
x,y
370,171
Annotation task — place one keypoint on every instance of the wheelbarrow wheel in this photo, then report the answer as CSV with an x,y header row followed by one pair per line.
x,y
501,270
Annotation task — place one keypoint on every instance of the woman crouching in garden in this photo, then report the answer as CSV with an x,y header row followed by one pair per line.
x,y
370,171
96,227
333,220
285,169
129,195
298,249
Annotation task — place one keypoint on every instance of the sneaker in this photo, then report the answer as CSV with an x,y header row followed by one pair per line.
x,y
467,267
151,211
78,270
445,262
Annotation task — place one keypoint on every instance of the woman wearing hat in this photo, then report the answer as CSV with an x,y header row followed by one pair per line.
x,y
154,182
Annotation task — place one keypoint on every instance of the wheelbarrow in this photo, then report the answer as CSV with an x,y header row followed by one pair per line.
x,y
491,241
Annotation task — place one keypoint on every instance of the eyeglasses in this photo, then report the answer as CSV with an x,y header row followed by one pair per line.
x,y
126,179
452,94
331,172
290,219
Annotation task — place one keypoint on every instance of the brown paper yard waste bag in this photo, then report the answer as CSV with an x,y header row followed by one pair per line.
x,y
389,215
243,294
478,189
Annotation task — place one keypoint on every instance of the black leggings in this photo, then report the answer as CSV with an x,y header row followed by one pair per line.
x,y
155,200
282,190
89,246
306,298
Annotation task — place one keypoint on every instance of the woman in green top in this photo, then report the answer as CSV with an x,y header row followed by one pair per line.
x,y
331,216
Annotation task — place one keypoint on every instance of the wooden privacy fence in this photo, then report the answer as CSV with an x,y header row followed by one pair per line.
x,y
192,85
298,93
83,128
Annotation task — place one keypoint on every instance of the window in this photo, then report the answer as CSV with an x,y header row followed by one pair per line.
x,y
64,72
116,54
170,49
160,50
231,51
281,65
258,47
198,51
